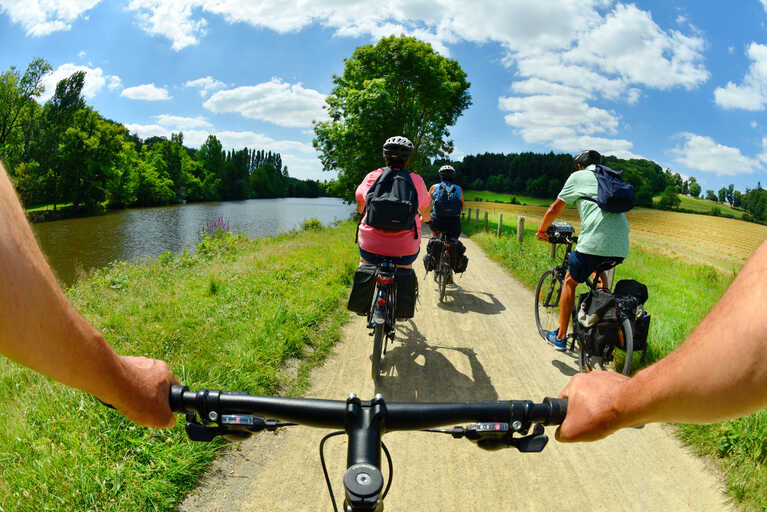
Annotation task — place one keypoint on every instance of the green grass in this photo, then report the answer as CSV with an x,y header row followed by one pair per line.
x,y
484,195
680,295
48,207
704,206
229,316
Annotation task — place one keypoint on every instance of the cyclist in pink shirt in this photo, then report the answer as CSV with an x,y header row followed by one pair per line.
x,y
378,245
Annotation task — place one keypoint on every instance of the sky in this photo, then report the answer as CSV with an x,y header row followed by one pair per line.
x,y
683,83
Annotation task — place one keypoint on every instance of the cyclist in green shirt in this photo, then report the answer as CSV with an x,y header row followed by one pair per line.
x,y
604,236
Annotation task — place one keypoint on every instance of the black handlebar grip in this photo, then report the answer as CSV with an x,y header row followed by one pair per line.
x,y
558,408
176,398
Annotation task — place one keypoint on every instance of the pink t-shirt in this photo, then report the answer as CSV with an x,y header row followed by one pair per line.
x,y
391,243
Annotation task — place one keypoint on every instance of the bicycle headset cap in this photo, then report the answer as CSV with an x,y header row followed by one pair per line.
x,y
398,147
446,172
588,157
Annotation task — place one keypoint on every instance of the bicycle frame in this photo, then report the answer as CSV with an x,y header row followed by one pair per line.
x,y
222,413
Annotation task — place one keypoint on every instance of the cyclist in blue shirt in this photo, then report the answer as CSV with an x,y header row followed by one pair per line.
x,y
447,204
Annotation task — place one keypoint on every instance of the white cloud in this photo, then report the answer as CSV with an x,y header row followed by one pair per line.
x,y
43,17
275,101
633,96
731,50
703,154
763,156
752,93
94,80
754,124
764,4
82,54
182,123
114,82
146,92
206,85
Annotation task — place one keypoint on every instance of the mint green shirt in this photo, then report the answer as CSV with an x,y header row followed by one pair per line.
x,y
602,233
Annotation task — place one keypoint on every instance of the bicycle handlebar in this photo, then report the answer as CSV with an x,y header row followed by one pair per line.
x,y
229,413
399,415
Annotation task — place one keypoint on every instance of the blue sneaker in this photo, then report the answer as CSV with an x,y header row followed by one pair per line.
x,y
559,344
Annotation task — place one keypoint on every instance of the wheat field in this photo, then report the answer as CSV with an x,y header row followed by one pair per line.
x,y
723,243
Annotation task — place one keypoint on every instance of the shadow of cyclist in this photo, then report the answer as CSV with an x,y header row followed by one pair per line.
x,y
412,370
465,301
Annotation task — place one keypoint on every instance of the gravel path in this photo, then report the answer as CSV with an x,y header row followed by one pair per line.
x,y
482,344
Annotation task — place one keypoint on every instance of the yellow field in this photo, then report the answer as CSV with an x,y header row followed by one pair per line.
x,y
723,243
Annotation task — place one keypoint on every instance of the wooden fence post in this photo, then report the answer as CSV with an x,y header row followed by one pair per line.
x,y
485,222
520,228
500,224
476,219
468,217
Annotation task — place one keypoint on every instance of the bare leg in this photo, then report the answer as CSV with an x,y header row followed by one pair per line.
x,y
566,304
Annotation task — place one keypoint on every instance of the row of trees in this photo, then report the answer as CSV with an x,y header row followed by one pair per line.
x,y
65,152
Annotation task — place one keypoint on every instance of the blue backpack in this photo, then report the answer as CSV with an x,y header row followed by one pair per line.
x,y
447,200
613,194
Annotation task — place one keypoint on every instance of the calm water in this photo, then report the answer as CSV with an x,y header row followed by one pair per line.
x,y
74,245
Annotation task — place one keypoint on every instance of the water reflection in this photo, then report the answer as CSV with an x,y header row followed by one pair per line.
x,y
75,245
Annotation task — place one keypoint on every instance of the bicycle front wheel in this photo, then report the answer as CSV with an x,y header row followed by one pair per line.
x,y
547,302
378,335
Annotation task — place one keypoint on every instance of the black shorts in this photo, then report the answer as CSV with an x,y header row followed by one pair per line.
x,y
451,226
581,265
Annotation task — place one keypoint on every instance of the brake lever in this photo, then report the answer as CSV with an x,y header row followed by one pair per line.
x,y
234,427
496,436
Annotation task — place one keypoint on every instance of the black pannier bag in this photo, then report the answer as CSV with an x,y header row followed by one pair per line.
x,y
407,293
362,289
428,262
597,322
630,296
434,248
458,260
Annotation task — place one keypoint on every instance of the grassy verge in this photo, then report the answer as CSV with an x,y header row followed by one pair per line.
x,y
680,295
484,195
229,316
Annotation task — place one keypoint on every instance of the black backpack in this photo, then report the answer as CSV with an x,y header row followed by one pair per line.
x,y
391,203
613,194
447,202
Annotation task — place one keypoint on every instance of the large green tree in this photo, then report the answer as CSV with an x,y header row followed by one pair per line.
x,y
17,92
399,86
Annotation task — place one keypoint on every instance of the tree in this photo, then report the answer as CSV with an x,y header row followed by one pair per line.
x,y
644,196
670,198
400,86
711,195
722,195
694,188
731,194
18,92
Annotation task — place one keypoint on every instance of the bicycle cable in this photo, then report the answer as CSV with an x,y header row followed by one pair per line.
x,y
325,468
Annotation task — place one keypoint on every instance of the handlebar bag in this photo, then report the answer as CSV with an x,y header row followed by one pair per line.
x,y
406,286
363,288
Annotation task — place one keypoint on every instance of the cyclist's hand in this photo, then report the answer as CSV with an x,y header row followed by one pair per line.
x,y
146,402
542,236
591,411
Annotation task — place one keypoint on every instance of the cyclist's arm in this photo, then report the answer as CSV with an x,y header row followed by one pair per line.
x,y
41,330
720,372
551,214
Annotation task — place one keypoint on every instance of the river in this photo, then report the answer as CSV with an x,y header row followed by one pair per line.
x,y
74,246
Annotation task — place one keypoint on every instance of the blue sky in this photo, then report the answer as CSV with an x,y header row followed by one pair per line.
x,y
683,83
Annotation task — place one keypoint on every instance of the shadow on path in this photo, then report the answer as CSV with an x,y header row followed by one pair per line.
x,y
412,370
458,300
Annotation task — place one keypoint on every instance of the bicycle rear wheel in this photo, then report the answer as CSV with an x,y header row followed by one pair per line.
x,y
547,302
628,339
378,335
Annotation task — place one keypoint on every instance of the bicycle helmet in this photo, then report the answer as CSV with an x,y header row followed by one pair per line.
x,y
397,147
588,157
446,172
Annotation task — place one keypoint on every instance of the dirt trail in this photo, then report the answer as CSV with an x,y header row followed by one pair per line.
x,y
482,344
